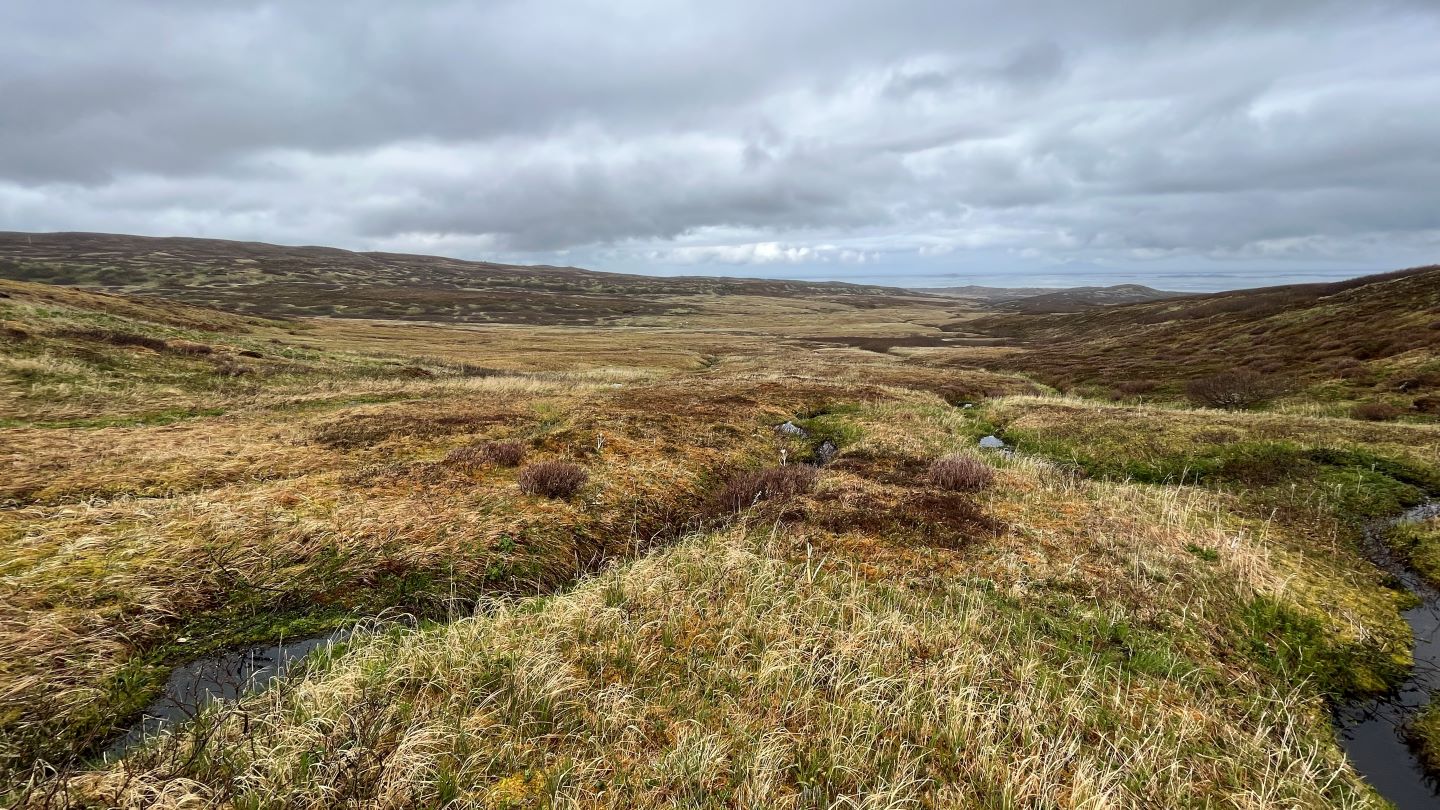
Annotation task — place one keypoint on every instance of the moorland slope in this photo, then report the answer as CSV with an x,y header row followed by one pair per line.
x,y
1142,605
277,280
1371,336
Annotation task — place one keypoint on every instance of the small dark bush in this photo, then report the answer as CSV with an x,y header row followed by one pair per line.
x,y
745,489
249,353
230,368
114,338
960,473
1234,390
13,331
1375,411
472,456
1135,388
553,479
350,431
1426,404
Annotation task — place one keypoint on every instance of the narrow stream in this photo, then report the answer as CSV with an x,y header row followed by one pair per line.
x,y
226,676
1372,732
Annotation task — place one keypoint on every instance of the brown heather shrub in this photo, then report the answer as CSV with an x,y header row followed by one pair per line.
x,y
1134,388
473,456
1234,390
188,347
472,370
960,473
114,338
231,368
552,479
350,431
1430,404
747,488
1375,411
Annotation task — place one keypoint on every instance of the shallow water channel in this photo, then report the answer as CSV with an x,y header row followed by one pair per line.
x,y
1372,732
225,676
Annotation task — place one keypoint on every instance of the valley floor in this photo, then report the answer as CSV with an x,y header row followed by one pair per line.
x,y
1147,606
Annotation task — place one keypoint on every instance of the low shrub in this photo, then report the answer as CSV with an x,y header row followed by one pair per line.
x,y
1429,404
472,456
1375,411
114,338
552,479
188,347
1135,388
745,489
960,473
1235,390
231,368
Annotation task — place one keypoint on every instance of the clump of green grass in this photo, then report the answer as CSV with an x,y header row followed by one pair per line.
x,y
1299,646
1419,541
1424,735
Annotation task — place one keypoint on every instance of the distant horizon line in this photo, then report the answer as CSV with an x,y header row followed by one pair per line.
x,y
1046,278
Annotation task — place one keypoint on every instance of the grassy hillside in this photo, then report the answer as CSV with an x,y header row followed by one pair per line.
x,y
1371,339
275,280
1143,607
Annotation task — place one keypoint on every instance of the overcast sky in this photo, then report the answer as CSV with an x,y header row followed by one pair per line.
x,y
1187,143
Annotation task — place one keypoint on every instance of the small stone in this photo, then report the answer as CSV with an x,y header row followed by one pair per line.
x,y
992,443
791,429
825,453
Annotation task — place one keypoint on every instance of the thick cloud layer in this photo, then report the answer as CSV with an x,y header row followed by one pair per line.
x,y
1208,142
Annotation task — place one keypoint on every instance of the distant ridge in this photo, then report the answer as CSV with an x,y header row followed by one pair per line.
x,y
266,279
1041,300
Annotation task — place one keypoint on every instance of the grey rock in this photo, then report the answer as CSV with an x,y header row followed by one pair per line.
x,y
825,453
791,429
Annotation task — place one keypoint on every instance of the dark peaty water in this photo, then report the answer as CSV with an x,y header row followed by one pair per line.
x,y
1372,732
193,686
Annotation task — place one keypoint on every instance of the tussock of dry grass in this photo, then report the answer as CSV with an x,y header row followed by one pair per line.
x,y
474,456
960,473
552,479
720,674
747,488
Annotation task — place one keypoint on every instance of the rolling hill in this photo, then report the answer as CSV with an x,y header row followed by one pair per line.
x,y
1047,300
1377,333
266,279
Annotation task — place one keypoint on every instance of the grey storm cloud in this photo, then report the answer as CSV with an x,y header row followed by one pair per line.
x,y
749,131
